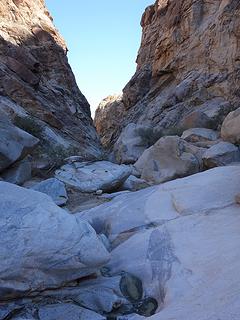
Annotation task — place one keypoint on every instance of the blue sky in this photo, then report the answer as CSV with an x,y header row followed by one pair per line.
x,y
103,38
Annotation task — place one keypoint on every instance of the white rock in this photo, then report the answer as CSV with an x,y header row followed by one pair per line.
x,y
169,158
221,154
15,144
181,239
19,173
131,143
53,188
42,246
90,177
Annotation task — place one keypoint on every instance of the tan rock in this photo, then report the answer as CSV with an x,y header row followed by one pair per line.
x,y
187,75
237,198
231,127
169,158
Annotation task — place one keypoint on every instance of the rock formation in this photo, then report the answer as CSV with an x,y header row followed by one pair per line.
x,y
187,66
168,251
38,90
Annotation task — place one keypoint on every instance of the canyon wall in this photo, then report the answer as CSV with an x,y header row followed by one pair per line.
x,y
187,66
38,91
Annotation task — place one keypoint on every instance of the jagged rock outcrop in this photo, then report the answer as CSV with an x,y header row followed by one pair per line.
x,y
38,90
187,67
107,119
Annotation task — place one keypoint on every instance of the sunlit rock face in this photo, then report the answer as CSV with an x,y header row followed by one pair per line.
x,y
187,66
36,82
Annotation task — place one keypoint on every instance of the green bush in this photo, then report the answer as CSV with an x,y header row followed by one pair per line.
x,y
29,125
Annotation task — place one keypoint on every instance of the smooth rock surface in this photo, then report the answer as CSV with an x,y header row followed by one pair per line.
x,y
53,188
169,158
231,127
131,144
91,177
221,154
48,246
180,238
15,144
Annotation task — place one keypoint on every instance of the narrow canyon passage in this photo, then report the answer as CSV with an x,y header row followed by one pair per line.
x,y
134,214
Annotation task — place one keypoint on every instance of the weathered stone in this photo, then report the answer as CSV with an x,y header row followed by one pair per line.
x,y
53,188
221,154
108,120
35,76
182,80
15,144
19,173
132,142
169,158
49,246
90,177
231,127
200,135
134,184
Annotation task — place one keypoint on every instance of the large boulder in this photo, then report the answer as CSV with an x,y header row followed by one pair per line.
x,y
15,144
176,238
53,188
132,142
19,173
90,177
42,246
221,154
231,127
200,135
169,158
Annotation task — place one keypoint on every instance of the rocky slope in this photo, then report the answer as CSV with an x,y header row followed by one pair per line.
x,y
187,67
38,91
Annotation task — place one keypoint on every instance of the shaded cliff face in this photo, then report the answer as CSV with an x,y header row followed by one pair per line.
x,y
37,86
188,66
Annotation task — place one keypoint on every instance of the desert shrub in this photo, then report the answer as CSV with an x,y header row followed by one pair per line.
x,y
29,125
151,135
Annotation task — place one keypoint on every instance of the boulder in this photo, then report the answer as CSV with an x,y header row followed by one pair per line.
x,y
176,238
231,127
133,184
90,177
15,144
169,158
221,154
53,188
200,135
131,143
48,246
19,173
